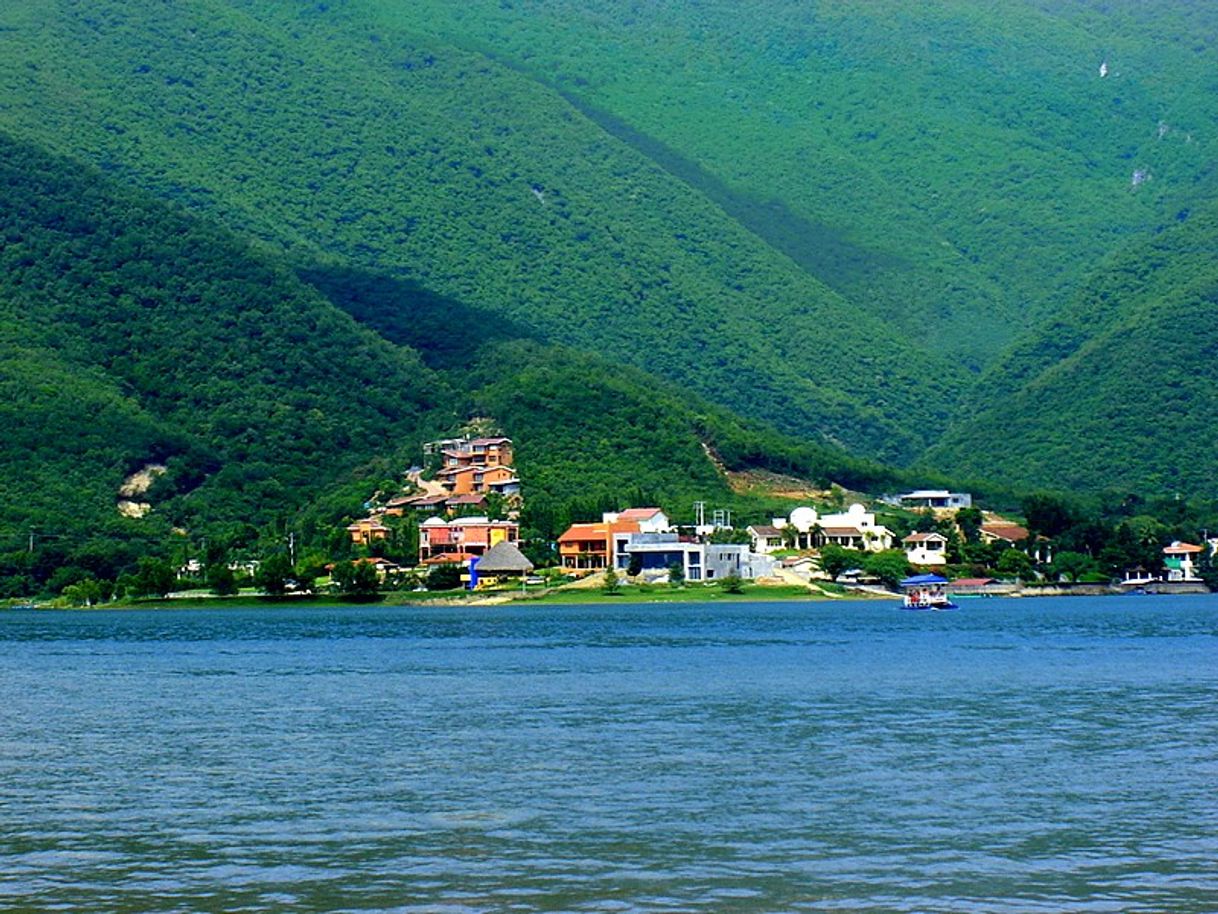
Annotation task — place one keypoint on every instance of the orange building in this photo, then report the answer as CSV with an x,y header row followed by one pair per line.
x,y
478,452
458,480
591,547
366,531
584,547
470,535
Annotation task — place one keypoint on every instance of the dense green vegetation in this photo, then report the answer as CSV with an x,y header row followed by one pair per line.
x,y
132,333
354,141
953,164
1117,391
274,247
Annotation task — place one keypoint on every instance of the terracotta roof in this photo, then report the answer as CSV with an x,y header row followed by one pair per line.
x,y
842,531
453,471
425,501
464,500
925,538
972,582
578,532
368,523
638,513
1180,548
448,558
1011,532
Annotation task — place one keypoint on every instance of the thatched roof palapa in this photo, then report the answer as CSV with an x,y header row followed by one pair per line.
x,y
504,558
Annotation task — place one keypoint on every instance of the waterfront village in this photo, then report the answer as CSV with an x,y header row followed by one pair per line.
x,y
465,504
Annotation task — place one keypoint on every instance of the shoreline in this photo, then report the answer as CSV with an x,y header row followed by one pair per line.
x,y
629,594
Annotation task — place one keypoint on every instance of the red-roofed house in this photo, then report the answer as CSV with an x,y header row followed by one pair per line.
x,y
1003,532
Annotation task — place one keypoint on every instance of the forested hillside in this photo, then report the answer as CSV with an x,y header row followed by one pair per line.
x,y
135,334
937,235
953,165
132,333
340,138
1118,391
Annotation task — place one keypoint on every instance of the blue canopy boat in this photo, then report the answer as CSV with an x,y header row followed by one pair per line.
x,y
926,592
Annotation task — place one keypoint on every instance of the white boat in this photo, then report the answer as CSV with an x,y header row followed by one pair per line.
x,y
926,592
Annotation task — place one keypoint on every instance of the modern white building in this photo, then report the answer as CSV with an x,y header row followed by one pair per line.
x,y
937,499
657,552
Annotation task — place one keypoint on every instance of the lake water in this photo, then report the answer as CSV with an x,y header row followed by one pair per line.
x,y
1018,755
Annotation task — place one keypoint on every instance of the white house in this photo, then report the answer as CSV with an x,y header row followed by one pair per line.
x,y
926,548
766,538
855,529
649,520
939,499
1181,559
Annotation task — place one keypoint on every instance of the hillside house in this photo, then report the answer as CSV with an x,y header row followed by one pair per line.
x,y
477,452
1180,560
855,528
366,531
925,548
936,499
471,535
1004,533
499,479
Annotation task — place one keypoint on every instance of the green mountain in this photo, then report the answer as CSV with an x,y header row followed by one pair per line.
x,y
953,166
338,139
274,246
135,334
1117,391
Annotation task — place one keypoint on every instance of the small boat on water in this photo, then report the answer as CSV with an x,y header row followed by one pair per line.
x,y
926,592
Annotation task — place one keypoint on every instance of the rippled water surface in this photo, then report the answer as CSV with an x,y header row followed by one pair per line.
x,y
1034,755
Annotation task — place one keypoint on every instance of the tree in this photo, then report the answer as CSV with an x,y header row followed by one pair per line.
x,y
153,578
1073,565
273,574
733,583
890,566
676,574
612,585
444,577
1014,564
221,580
835,559
357,579
1207,569
83,593
1049,515
635,568
969,522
